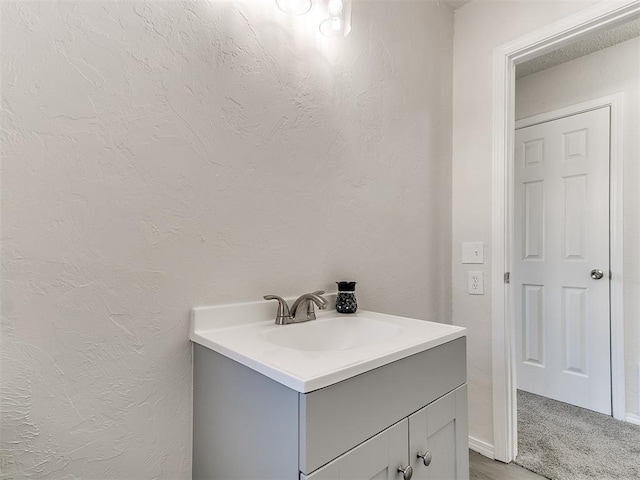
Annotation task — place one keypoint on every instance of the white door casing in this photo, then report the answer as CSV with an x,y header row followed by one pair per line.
x,y
561,233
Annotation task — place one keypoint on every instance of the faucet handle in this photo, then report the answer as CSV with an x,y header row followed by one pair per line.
x,y
319,293
311,313
283,316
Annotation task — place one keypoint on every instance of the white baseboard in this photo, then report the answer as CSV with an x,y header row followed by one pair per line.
x,y
631,418
481,447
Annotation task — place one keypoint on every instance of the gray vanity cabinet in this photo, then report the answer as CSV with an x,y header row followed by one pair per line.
x,y
248,426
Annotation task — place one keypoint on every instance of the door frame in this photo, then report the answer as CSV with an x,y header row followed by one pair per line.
x,y
505,58
616,264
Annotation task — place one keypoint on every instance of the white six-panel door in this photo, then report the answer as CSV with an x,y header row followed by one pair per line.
x,y
561,234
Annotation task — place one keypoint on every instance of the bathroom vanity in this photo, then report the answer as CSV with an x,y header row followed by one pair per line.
x,y
358,396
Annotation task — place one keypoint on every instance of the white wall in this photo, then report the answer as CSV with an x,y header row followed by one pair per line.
x,y
479,27
609,71
162,155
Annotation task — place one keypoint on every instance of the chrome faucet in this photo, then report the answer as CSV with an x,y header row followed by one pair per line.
x,y
308,299
304,303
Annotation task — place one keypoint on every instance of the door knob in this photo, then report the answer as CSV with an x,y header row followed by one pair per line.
x,y
406,472
596,274
426,458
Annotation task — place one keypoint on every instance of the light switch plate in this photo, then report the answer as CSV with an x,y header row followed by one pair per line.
x,y
475,283
472,252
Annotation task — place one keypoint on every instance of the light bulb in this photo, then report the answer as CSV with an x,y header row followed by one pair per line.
x,y
335,7
337,24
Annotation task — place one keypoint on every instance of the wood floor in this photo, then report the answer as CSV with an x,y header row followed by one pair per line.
x,y
483,468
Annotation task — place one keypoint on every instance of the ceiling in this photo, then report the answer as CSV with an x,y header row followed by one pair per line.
x,y
591,44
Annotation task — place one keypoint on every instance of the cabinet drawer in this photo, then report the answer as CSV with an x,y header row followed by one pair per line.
x,y
341,416
378,457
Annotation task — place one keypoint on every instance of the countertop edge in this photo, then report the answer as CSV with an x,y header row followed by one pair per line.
x,y
316,383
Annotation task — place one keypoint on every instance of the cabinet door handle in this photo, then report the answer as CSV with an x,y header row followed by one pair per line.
x,y
406,472
426,458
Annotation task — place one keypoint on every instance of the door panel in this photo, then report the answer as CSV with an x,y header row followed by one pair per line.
x,y
439,429
575,214
561,233
533,298
534,224
575,330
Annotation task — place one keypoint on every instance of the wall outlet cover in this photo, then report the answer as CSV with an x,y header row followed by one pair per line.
x,y
475,283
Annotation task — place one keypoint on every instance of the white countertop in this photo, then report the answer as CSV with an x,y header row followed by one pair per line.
x,y
238,331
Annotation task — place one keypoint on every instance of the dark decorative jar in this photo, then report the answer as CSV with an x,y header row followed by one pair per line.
x,y
346,300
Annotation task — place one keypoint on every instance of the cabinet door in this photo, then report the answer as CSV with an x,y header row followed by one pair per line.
x,y
376,459
440,428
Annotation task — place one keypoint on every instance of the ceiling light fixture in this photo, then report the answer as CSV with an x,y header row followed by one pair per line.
x,y
338,23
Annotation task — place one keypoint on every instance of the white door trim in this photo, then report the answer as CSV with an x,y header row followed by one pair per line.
x,y
505,59
609,100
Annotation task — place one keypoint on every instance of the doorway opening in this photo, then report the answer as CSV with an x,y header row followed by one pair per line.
x,y
597,18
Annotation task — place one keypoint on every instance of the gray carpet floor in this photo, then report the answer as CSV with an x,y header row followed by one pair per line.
x,y
563,442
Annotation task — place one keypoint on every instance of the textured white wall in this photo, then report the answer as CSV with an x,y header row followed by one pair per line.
x,y
613,70
479,27
162,155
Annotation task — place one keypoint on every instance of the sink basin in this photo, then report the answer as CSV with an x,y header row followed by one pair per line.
x,y
332,334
